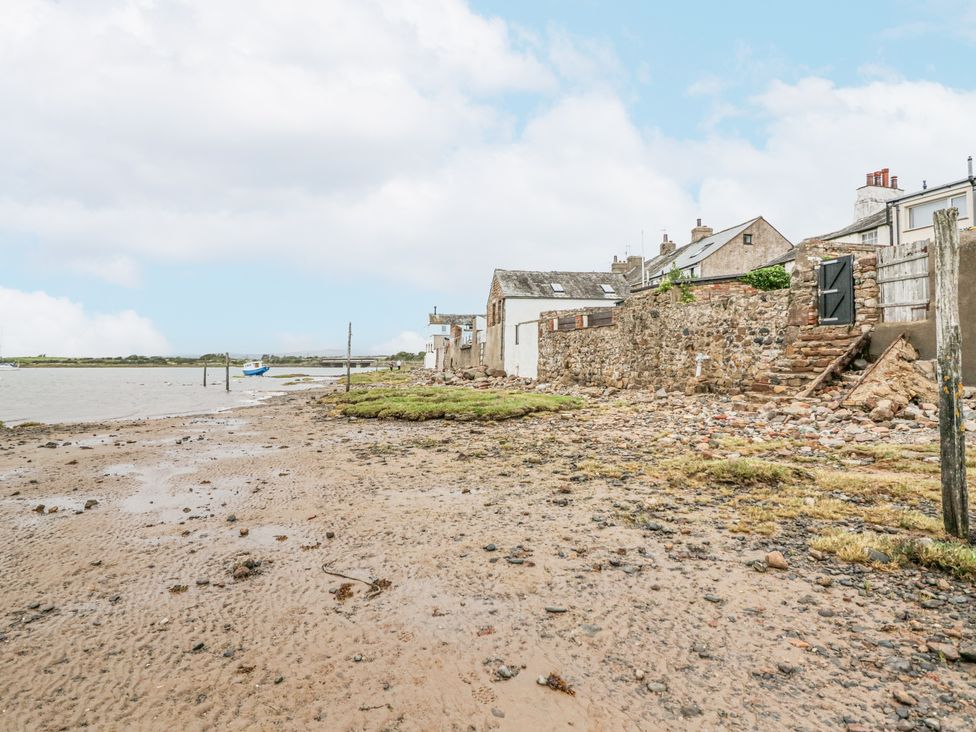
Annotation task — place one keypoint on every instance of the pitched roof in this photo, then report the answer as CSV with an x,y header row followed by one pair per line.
x,y
450,319
868,223
575,285
692,254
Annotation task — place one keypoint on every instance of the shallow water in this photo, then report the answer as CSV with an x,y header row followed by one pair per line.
x,y
92,394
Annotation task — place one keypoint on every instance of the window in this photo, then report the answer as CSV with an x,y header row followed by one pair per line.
x,y
869,237
921,215
556,287
747,239
607,290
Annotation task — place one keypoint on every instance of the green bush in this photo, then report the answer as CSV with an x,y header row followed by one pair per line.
x,y
768,278
676,277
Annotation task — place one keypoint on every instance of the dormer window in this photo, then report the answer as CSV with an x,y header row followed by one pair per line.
x,y
556,287
607,290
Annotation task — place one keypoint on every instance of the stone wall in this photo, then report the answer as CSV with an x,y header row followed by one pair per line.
x,y
732,332
731,339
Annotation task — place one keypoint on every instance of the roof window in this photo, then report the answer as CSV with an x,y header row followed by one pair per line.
x,y
607,290
556,287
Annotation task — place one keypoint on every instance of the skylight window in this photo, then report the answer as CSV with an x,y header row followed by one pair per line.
x,y
556,287
607,290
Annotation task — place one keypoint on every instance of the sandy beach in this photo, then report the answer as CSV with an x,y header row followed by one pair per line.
x,y
198,589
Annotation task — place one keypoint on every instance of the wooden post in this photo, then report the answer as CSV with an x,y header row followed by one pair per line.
x,y
952,436
349,359
204,373
227,371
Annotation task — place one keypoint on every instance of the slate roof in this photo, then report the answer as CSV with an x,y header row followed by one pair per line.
x,y
450,319
575,285
690,254
866,224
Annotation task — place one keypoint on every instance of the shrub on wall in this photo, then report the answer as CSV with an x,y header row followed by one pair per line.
x,y
768,278
676,277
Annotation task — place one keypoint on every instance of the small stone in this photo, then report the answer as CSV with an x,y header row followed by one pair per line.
x,y
968,652
504,672
818,555
279,679
241,572
713,598
638,674
657,687
555,609
776,560
199,646
542,681
245,532
202,582
90,503
826,612
946,650
329,534
229,653
231,519
824,581
903,697
490,547
932,723
880,557
496,712
691,710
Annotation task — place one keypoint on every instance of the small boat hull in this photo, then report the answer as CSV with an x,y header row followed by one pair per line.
x,y
256,372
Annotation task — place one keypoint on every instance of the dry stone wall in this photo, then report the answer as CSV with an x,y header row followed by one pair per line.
x,y
722,342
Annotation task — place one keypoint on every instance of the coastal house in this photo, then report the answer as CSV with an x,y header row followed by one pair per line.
x,y
727,253
439,327
517,298
910,216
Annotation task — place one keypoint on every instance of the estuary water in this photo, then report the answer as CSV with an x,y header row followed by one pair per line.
x,y
93,394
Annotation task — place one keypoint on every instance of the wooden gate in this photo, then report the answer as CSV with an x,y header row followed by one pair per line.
x,y
903,281
836,291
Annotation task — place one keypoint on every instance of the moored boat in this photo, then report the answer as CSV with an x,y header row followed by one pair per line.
x,y
8,366
255,368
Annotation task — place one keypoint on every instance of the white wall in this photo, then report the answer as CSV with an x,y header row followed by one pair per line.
x,y
907,234
522,359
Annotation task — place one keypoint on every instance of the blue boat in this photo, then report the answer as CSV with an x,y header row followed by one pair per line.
x,y
255,368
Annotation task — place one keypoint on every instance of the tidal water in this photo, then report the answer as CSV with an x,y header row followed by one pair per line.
x,y
83,395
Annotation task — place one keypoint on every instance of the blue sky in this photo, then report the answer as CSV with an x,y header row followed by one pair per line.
x,y
184,179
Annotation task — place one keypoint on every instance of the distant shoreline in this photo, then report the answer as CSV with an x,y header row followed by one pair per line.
x,y
122,363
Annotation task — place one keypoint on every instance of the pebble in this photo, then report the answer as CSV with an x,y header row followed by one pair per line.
x,y
357,658
490,547
542,681
231,519
638,674
496,712
903,697
504,672
713,598
946,650
657,687
198,646
555,609
90,503
776,560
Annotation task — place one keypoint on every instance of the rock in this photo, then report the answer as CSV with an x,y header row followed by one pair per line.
x,y
903,697
638,674
690,710
241,572
946,650
245,532
877,556
231,519
776,560
357,658
198,646
968,652
496,712
202,582
818,555
279,679
555,609
932,723
504,672
826,612
713,598
657,687
329,534
490,547
542,681
90,503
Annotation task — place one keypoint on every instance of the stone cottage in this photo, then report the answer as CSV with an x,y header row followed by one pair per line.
x,y
516,299
727,253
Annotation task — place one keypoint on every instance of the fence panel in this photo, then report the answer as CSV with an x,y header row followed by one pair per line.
x,y
903,281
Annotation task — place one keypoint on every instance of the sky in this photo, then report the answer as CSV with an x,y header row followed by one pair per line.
x,y
250,176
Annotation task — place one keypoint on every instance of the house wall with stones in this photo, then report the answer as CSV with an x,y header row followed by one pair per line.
x,y
731,339
721,342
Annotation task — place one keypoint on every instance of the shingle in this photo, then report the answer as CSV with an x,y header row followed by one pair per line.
x,y
575,285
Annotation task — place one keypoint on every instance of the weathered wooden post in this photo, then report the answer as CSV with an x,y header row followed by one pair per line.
x,y
952,437
226,371
204,373
349,359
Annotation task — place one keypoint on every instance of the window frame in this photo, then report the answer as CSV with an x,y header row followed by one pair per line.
x,y
747,240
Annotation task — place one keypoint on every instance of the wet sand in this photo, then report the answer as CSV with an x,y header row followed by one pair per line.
x,y
653,629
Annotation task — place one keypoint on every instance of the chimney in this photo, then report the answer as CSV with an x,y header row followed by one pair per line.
x,y
700,232
435,310
623,266
879,188
668,247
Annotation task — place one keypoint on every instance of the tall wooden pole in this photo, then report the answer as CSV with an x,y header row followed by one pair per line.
x,y
349,359
204,373
952,437
227,371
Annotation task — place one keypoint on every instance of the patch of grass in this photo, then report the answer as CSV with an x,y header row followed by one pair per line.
x,y
744,472
596,469
950,556
910,489
439,402
379,376
288,376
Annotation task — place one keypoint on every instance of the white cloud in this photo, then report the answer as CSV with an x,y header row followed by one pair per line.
x,y
373,139
35,323
408,340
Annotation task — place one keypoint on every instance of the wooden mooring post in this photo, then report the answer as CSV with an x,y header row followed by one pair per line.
x,y
204,373
349,359
227,372
952,436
